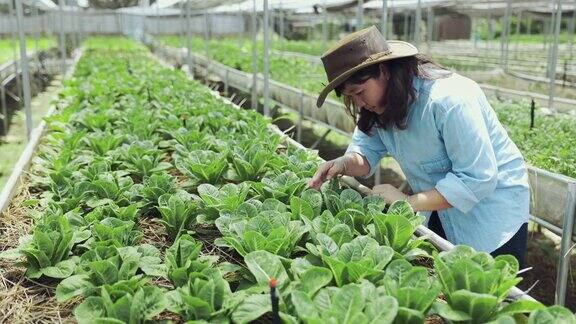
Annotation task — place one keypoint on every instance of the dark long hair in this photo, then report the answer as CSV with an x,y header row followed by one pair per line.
x,y
399,95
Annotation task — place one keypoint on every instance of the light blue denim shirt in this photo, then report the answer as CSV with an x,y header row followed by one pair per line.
x,y
454,143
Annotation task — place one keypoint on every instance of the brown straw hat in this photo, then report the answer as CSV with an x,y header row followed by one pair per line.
x,y
357,51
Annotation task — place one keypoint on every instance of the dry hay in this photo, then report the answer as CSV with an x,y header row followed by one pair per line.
x,y
23,300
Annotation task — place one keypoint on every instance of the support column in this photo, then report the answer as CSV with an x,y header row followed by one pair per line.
x,y
504,37
14,34
429,28
553,59
254,57
189,40
324,25
571,27
417,23
62,40
266,27
25,71
384,24
360,15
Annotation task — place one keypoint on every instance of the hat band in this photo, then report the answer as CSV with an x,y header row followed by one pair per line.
x,y
377,56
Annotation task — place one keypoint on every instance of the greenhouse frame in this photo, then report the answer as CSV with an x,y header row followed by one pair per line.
x,y
157,156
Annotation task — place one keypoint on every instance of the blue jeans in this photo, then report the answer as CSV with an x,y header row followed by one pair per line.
x,y
516,246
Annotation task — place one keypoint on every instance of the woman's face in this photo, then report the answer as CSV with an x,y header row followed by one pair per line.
x,y
369,95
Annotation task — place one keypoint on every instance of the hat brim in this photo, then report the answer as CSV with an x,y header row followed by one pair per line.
x,y
398,49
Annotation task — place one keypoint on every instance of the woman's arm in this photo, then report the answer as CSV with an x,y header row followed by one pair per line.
x,y
351,164
424,201
428,201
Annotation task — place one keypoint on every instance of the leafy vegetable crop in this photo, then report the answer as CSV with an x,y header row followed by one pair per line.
x,y
182,238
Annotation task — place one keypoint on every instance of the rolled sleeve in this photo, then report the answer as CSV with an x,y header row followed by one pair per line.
x,y
370,147
474,173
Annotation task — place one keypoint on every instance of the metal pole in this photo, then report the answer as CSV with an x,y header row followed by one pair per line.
x,y
417,23
80,29
266,60
281,23
429,28
565,245
14,35
157,19
391,11
240,30
550,35
571,27
189,40
384,26
504,37
254,57
4,109
206,34
181,16
324,25
300,118
72,22
490,26
554,55
62,44
518,23
24,63
405,31
360,15
36,30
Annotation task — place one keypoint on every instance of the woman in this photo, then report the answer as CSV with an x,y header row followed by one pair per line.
x,y
439,126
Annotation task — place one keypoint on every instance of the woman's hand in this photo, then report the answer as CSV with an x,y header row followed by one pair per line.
x,y
389,193
327,171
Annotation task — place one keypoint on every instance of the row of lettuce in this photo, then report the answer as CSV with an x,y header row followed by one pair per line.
x,y
547,145
155,200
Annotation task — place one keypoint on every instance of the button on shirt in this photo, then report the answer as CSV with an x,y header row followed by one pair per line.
x,y
454,143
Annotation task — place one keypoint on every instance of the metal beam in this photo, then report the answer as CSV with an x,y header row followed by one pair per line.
x,y
25,71
324,25
504,37
384,24
360,15
566,243
571,27
14,42
417,23
553,59
254,56
429,28
62,41
266,27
